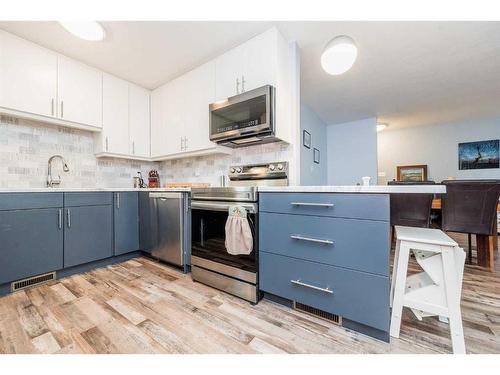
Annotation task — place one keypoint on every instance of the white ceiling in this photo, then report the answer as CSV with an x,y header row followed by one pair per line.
x,y
407,73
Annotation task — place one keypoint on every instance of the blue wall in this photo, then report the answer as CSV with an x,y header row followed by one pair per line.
x,y
352,152
310,172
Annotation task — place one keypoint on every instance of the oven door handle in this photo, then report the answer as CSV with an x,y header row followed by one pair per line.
x,y
222,206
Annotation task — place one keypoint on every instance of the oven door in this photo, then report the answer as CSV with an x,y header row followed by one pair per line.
x,y
244,115
208,220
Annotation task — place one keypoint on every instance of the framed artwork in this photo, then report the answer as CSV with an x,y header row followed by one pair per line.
x,y
306,139
478,155
316,155
412,172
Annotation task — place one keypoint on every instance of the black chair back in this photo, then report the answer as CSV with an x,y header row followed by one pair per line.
x,y
470,206
411,210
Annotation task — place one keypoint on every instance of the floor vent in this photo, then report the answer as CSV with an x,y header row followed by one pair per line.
x,y
32,281
337,319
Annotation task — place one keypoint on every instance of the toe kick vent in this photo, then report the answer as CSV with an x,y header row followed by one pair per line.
x,y
337,319
32,281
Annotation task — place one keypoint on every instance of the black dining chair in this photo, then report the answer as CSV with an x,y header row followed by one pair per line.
x,y
411,210
470,206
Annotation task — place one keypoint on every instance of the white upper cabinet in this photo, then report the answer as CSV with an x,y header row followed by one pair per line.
x,y
260,60
28,76
79,92
139,121
229,73
248,66
200,88
160,99
115,119
180,116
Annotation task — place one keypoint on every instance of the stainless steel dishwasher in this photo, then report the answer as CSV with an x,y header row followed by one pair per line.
x,y
162,234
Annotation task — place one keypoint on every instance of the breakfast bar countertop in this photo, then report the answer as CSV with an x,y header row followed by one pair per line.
x,y
381,189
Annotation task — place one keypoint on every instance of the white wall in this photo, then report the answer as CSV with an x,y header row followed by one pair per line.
x,y
310,172
436,146
352,152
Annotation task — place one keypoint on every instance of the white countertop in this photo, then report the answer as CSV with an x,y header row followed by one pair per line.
x,y
433,189
84,190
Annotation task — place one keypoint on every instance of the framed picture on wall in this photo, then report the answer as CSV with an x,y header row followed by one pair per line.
x,y
316,155
306,139
478,155
412,172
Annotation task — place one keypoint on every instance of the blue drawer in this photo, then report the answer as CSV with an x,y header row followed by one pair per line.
x,y
93,198
357,244
22,201
358,296
356,206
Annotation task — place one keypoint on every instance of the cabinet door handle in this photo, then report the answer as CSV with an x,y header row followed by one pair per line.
x,y
59,222
118,200
326,205
237,85
106,143
133,148
62,108
298,282
52,107
185,143
309,239
242,83
68,217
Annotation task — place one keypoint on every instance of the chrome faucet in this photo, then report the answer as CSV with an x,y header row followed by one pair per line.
x,y
51,182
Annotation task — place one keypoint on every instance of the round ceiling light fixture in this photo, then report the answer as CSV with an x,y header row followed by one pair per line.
x,y
381,127
87,30
339,55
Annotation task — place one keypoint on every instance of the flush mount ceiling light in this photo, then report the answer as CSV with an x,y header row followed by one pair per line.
x,y
339,55
87,30
381,127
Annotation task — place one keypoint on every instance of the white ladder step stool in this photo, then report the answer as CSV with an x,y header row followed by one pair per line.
x,y
436,290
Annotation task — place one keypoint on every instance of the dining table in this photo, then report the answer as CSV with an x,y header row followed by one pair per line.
x,y
485,245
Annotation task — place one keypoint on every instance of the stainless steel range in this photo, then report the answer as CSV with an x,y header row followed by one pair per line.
x,y
211,264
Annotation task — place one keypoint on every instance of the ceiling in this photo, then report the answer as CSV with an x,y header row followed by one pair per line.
x,y
406,74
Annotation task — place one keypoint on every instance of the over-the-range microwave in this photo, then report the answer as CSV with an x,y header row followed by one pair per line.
x,y
244,119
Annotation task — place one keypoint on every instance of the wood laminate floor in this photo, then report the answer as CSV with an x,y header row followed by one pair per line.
x,y
141,306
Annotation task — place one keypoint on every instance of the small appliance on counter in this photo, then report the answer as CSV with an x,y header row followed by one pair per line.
x,y
153,179
211,263
139,181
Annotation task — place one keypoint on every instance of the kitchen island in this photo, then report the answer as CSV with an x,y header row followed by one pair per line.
x,y
326,250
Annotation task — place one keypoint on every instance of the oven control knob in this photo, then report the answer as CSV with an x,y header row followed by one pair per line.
x,y
232,170
238,170
280,167
272,167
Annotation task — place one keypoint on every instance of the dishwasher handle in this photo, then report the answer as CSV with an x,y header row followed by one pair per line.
x,y
166,195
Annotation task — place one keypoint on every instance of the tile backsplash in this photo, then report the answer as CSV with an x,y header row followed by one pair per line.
x,y
26,146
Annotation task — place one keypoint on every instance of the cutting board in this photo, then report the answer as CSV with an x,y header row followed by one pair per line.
x,y
187,185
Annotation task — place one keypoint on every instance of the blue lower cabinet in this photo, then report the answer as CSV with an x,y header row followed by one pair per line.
x,y
359,296
88,234
31,243
357,244
126,219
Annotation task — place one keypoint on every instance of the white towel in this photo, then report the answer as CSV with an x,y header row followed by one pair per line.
x,y
239,240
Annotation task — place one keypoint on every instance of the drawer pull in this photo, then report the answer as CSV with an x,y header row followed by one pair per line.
x,y
298,282
326,205
317,240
